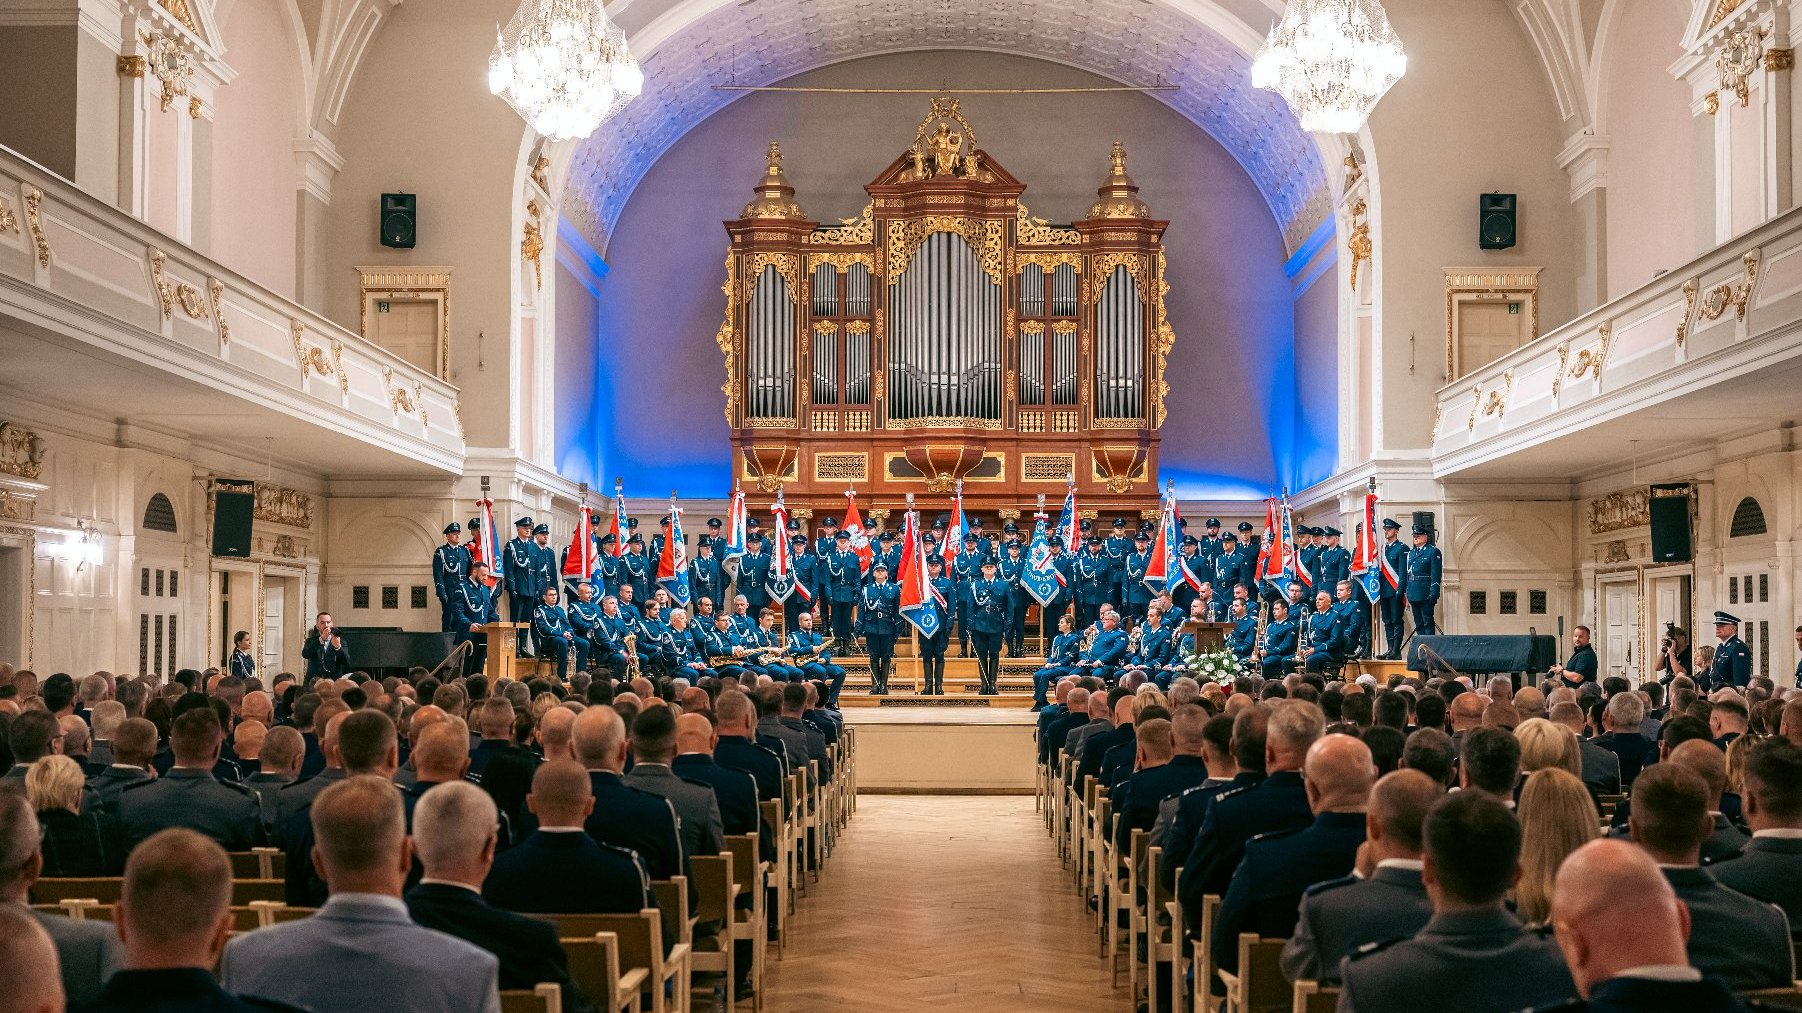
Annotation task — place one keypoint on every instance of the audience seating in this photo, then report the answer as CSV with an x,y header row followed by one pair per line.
x,y
546,998
749,921
717,901
1312,997
1259,987
594,966
100,889
640,939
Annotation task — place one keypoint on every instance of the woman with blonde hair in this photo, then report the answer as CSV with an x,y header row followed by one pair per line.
x,y
75,843
1544,744
1556,818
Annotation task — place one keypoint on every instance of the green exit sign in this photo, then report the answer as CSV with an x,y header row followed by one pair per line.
x,y
1513,308
381,306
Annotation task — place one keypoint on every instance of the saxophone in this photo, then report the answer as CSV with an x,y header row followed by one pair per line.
x,y
631,643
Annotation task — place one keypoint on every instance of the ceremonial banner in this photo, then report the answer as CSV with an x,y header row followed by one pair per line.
x,y
955,531
1270,559
1294,569
853,525
1039,577
619,529
920,601
1069,524
1165,570
672,566
735,527
782,582
579,559
1370,563
485,546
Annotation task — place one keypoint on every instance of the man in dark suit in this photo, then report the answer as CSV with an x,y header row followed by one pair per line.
x,y
501,766
1076,714
1387,901
364,742
1169,762
735,791
1473,953
1700,757
1266,889
454,831
624,816
1279,802
1733,936
1770,867
1622,719
1095,747
324,650
591,877
133,747
1189,810
1601,766
189,796
737,748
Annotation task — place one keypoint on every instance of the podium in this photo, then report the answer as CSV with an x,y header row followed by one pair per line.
x,y
1208,636
503,646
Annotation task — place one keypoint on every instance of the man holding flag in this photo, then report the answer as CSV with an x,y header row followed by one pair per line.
x,y
1394,605
920,602
672,561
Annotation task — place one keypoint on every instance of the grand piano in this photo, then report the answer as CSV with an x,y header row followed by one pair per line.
x,y
377,649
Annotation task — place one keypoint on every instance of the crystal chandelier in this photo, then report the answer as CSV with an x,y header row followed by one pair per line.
x,y
1331,60
564,66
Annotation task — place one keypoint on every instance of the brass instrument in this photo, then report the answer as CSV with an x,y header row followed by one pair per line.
x,y
631,643
716,660
809,655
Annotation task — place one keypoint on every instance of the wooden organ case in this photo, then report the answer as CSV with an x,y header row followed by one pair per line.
x,y
947,334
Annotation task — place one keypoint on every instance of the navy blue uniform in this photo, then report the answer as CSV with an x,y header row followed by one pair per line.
x,y
450,564
1094,588
473,603
754,580
552,633
843,579
1424,566
707,580
1393,603
1280,643
877,615
988,617
932,649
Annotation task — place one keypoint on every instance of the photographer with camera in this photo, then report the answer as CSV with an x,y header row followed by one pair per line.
x,y
1673,654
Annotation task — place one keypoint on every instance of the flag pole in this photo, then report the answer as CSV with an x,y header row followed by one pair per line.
x,y
1376,607
1044,648
918,668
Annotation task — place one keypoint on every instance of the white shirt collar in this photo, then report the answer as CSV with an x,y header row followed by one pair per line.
x,y
1662,972
1780,833
429,881
1409,864
559,830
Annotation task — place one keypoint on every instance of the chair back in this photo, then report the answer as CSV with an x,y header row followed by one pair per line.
x,y
672,901
103,889
1313,997
1262,986
546,998
745,863
246,890
713,887
594,967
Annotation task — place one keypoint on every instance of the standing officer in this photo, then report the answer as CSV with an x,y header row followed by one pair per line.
x,y
932,649
1196,566
1226,568
890,555
754,575
1094,583
606,567
473,602
705,579
450,562
878,611
1307,554
1062,588
1335,561
1248,559
804,570
658,541
1013,560
1424,570
584,622
1134,593
1118,543
545,559
983,545
1393,604
823,546
988,617
635,569
715,539
1732,658
966,568
844,575
551,631
519,571
1212,544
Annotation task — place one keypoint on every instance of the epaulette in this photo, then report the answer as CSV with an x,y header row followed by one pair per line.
x,y
1275,835
239,788
134,786
1369,948
1233,792
1331,884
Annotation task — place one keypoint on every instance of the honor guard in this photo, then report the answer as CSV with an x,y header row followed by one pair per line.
x,y
1060,660
803,569
877,613
1013,561
1732,665
754,536
519,572
754,575
890,555
1392,602
1119,543
635,569
966,569
1242,639
584,622
1281,638
552,632
1424,569
1094,588
983,544
808,650
715,539
1212,543
1307,554
1354,618
1335,562
450,562
473,603
988,617
932,649
1133,591
606,567
1063,588
706,581
1198,570
844,578
658,541
824,546
1226,568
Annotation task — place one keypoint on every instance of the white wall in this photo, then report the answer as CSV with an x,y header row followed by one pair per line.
x,y
256,119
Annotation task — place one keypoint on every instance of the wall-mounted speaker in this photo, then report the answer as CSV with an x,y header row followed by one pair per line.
x,y
399,219
1669,519
1496,220
233,503
1424,519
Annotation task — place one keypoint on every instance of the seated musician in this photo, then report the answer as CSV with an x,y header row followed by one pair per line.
x,y
608,644
1281,639
584,622
809,651
628,611
552,632
1106,650
1242,639
1325,636
685,657
654,639
723,652
1149,649
767,637
1298,605
1060,660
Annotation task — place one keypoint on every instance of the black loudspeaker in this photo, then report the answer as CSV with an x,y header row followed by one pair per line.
x,y
1424,519
1495,221
400,220
1670,528
232,507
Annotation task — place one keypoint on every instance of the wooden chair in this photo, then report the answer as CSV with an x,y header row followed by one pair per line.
x,y
1161,941
246,865
546,998
100,889
1138,925
640,938
276,913
1182,951
672,900
1259,986
1313,997
244,891
594,967
1203,958
716,895
1775,998
778,882
749,923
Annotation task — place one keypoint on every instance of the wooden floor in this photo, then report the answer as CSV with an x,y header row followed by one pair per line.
x,y
942,903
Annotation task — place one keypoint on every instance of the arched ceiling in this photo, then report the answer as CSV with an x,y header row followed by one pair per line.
x,y
687,47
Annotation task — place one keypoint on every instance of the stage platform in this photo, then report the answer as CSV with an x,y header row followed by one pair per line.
x,y
944,750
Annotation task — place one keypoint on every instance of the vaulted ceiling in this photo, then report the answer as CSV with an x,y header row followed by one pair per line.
x,y
1200,46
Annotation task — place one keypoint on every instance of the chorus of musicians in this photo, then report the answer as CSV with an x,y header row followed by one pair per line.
x,y
1099,616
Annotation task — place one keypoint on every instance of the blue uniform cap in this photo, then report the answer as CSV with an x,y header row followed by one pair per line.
x,y
1229,537
1057,540
829,522
1143,536
1389,524
635,540
750,522
1094,539
842,536
1423,529
665,521
607,539
797,539
970,537
523,522
1331,532
1213,522
1725,619
453,528
475,525
715,523
1014,546
1119,522
794,525
1190,540
935,560
887,536
1244,526
988,562
542,529
1010,528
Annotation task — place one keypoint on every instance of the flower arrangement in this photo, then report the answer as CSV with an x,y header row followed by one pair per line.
x,y
1219,667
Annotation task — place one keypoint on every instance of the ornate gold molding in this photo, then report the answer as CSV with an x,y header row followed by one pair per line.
x,y
1032,328
1476,405
457,412
1438,417
133,66
30,535
279,505
1716,300
1736,62
724,339
1030,231
310,358
338,366
842,261
194,107
1779,59
179,10
943,422
1359,244
860,231
1591,359
8,223
1619,510
531,245
858,328
1722,8
540,173
986,237
1497,403
1046,261
1164,341
170,294
1558,377
1689,308
1712,102
786,264
16,508
1106,263
216,289
21,452
1063,327
400,399
34,199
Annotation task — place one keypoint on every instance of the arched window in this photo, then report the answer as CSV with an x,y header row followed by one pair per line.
x,y
159,514
1748,519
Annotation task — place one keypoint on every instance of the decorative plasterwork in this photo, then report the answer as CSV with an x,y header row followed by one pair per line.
x,y
1689,307
21,451
404,401
1737,60
34,199
1722,8
1618,511
860,231
399,281
1126,40
1031,231
1590,360
986,237
1358,243
531,245
1716,300
174,293
1462,282
279,505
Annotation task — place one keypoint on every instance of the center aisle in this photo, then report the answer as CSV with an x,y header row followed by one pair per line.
x,y
947,902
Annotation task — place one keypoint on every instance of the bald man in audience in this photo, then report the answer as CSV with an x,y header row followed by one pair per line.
x,y
362,951
735,791
1770,866
296,797
1603,886
1601,767
1384,900
1530,702
29,956
173,919
737,748
1168,762
556,733
86,952
1466,713
1076,714
623,815
440,756
421,719
1279,868
1743,940
455,837
591,876
1473,954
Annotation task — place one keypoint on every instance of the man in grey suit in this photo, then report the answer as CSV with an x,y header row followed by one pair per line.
x,y
697,809
769,722
87,952
1387,901
1473,953
1770,868
29,956
362,951
1731,936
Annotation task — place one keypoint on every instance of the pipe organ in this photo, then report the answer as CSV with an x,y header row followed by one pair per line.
x,y
946,333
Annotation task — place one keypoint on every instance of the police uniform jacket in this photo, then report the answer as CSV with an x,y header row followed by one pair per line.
x,y
227,813
697,809
1281,637
109,783
1279,802
472,603
1242,639
754,579
705,580
1335,566
1007,570
174,990
1340,916
1308,558
766,767
550,621
1648,995
1092,572
890,556
1266,889
1138,799
519,567
1065,648
1732,664
1133,589
988,606
1732,936
802,641
592,877
1325,633
544,559
1396,553
1424,563
1191,812
1156,647
1460,960
879,609
844,575
635,569
584,617
1768,869
628,818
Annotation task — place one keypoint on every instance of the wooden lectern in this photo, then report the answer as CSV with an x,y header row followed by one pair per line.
x,y
1208,636
503,645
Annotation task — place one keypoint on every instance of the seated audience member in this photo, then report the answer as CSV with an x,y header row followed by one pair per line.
x,y
454,832
1601,767
737,747
361,950
697,810
87,952
1704,759
1623,717
1489,762
173,918
77,841
1603,886
278,764
735,791
499,763
1433,753
1742,940
360,743
1473,954
622,815
1770,867
29,956
592,877
1544,744
1278,868
1169,762
132,747
1556,818
32,736
1245,743
1340,916
189,795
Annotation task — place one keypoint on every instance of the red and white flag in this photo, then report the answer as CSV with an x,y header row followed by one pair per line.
x,y
853,525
